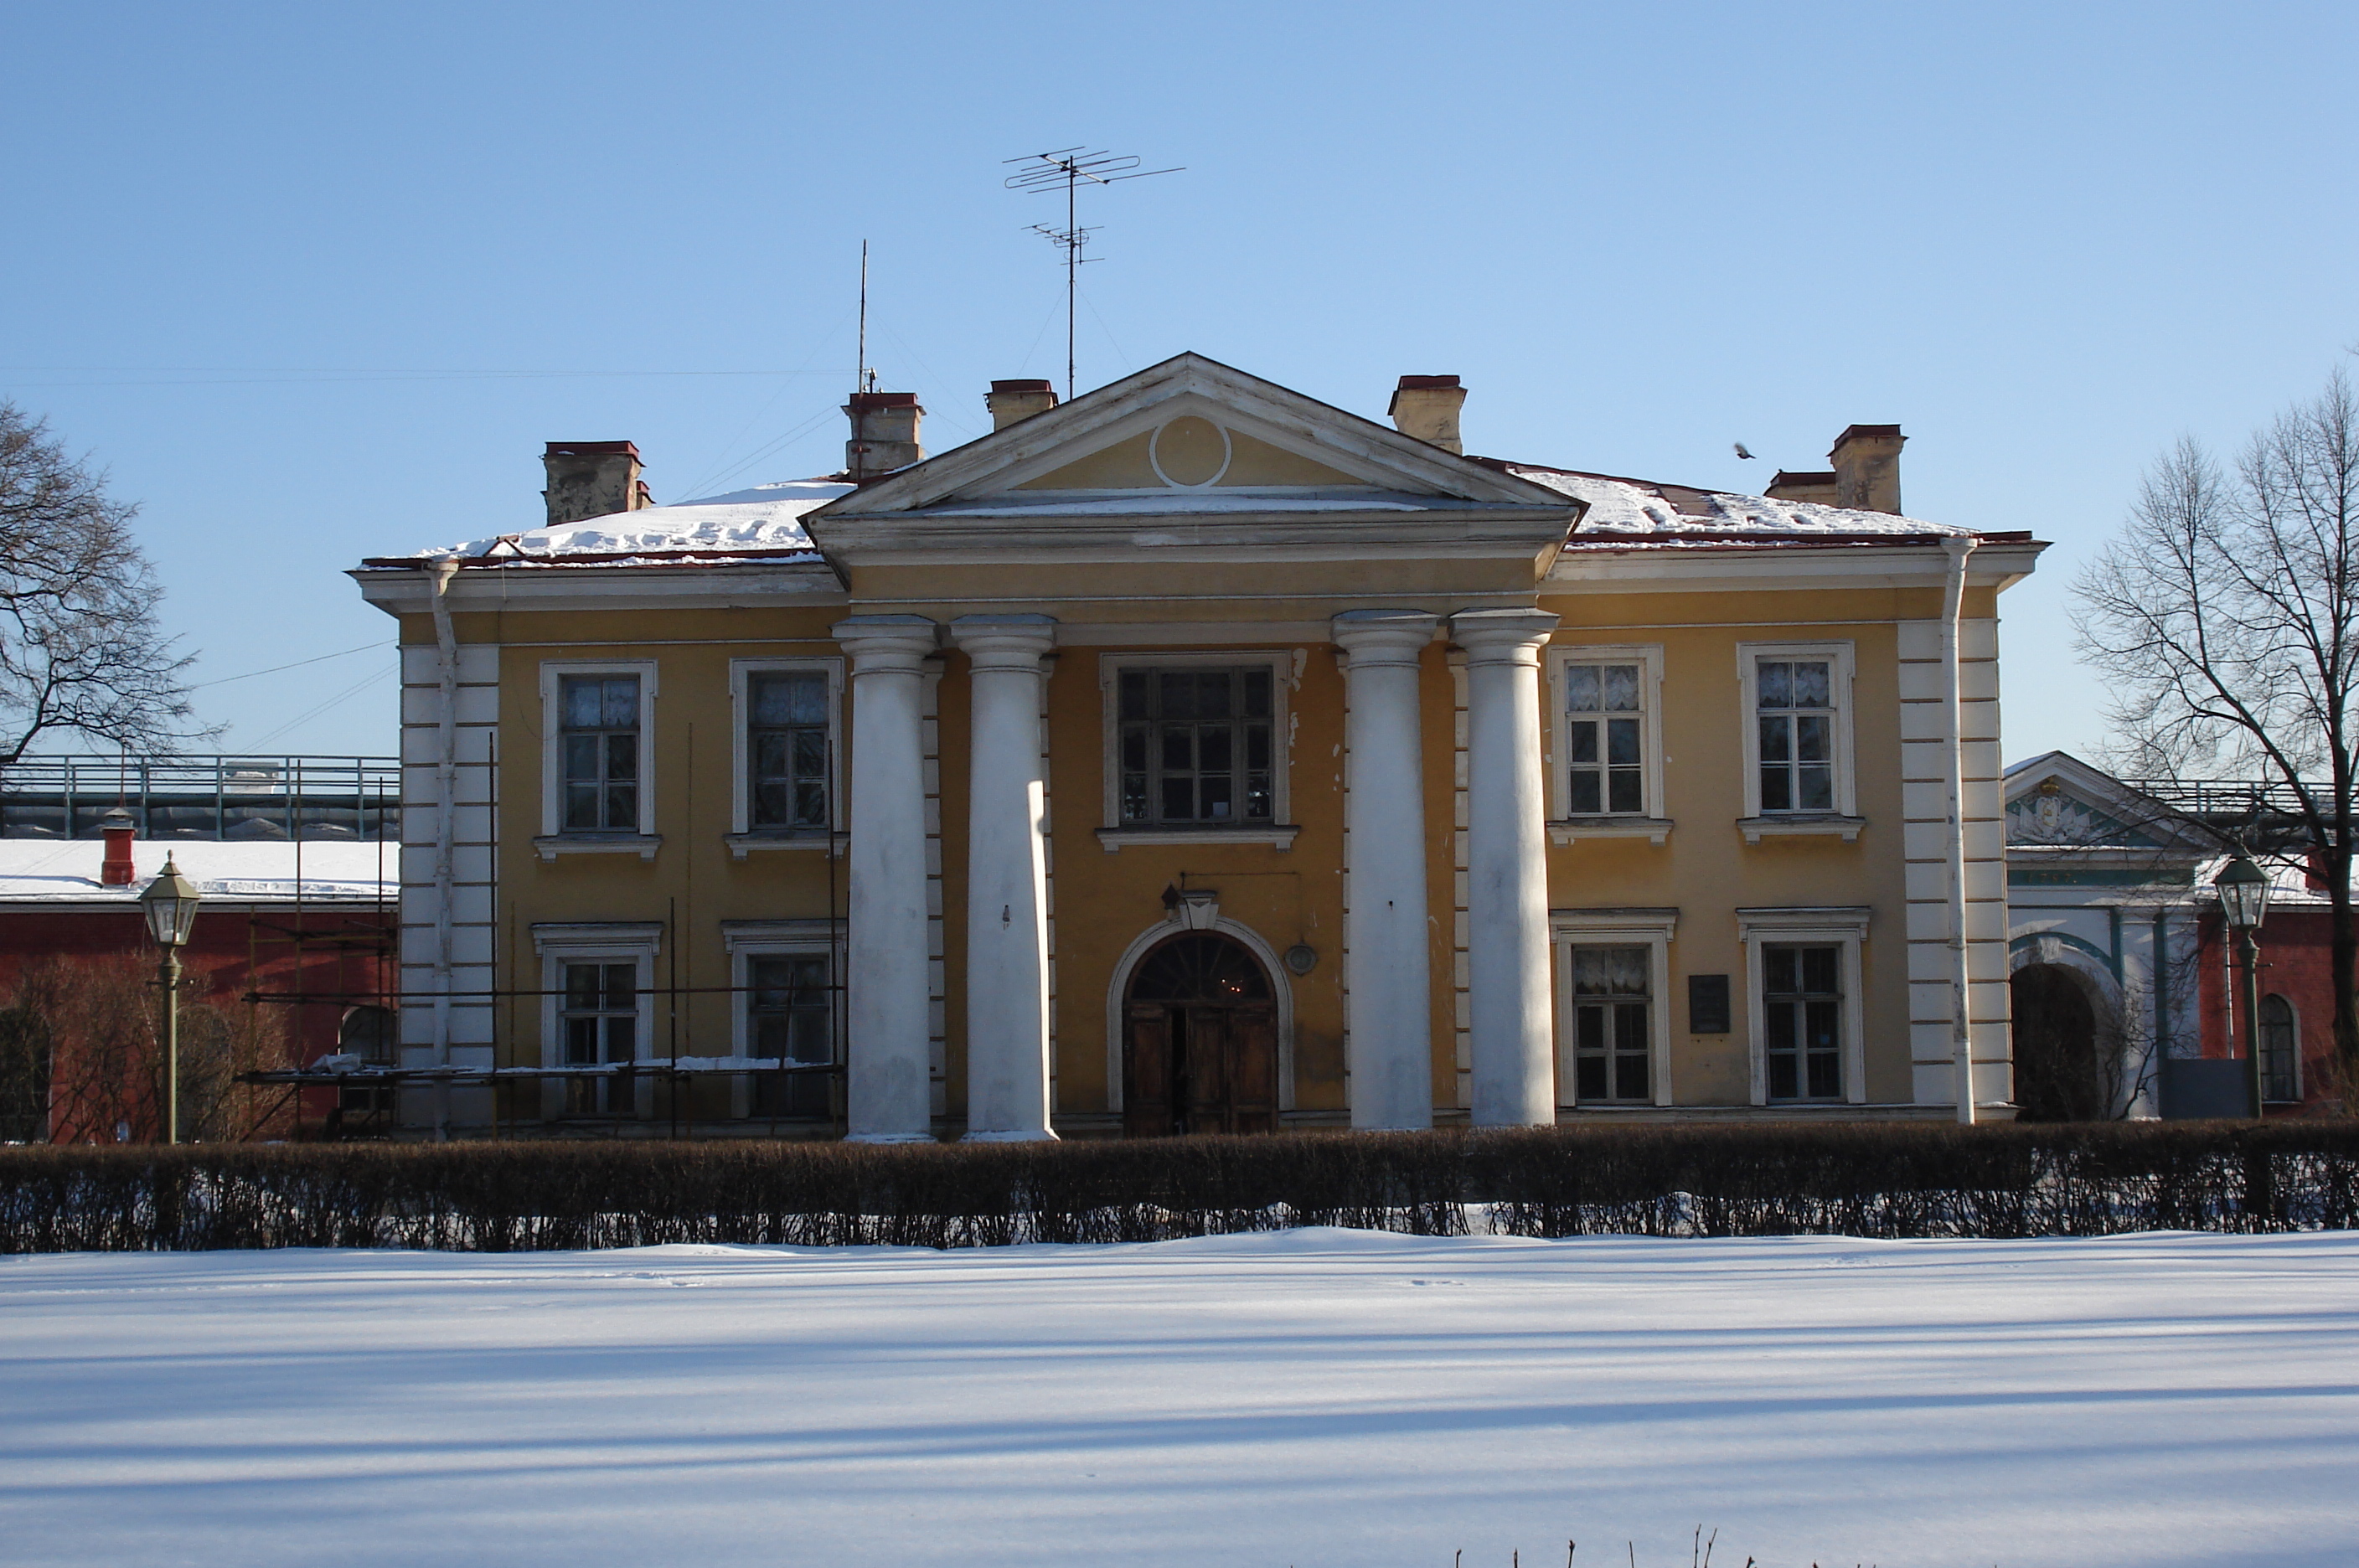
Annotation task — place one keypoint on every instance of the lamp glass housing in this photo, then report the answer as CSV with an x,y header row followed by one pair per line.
x,y
2244,890
171,905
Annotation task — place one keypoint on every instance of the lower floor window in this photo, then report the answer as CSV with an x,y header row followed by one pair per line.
x,y
1611,1037
791,1018
2279,1078
598,1020
1801,1003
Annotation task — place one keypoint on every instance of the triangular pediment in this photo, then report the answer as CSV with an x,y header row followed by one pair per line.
x,y
2058,801
1192,435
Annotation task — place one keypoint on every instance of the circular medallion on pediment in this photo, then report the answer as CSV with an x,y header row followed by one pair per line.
x,y
1189,452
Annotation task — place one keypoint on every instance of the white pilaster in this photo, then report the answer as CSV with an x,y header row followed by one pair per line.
x,y
1006,885
1390,1011
1506,867
886,958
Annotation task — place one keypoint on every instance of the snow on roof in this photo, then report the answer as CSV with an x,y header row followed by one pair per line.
x,y
763,521
51,871
1619,508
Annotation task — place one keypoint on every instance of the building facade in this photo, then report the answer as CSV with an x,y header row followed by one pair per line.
x,y
1195,756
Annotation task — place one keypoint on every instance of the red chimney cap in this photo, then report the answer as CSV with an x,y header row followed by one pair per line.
x,y
1031,385
884,401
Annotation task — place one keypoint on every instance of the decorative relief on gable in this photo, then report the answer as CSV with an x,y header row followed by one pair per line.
x,y
2046,815
1190,452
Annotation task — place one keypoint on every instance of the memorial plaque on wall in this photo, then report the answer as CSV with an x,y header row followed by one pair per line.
x,y
1707,1004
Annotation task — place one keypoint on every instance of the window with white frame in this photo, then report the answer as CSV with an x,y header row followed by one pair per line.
x,y
1195,742
784,979
1805,1004
597,743
597,1015
1614,1041
1608,750
1798,730
1802,1006
787,716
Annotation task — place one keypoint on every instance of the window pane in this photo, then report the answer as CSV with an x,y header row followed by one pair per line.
x,y
1213,792
1257,746
1811,739
1628,791
621,1028
1179,748
622,808
1810,685
811,753
1782,1077
1621,683
1818,783
1213,748
1778,969
1178,801
1589,974
1582,737
1819,970
1584,794
1258,804
1212,690
1630,1078
1581,688
1777,679
810,803
579,699
622,757
1626,970
1134,748
1589,1078
581,756
1257,693
1134,694
1776,739
1179,694
1134,797
1776,789
581,806
1589,1029
1622,741
580,1041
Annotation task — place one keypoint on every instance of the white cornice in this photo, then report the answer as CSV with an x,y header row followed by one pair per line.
x,y
749,585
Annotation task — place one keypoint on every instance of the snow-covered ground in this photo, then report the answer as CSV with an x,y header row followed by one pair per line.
x,y
1308,1397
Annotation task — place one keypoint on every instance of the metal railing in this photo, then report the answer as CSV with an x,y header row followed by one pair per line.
x,y
234,798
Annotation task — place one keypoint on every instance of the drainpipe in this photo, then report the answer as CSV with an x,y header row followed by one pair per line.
x,y
1962,1048
446,794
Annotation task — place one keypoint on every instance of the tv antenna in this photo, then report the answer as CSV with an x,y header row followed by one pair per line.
x,y
864,379
1069,168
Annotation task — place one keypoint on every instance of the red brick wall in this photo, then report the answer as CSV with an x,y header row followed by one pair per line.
x,y
2295,956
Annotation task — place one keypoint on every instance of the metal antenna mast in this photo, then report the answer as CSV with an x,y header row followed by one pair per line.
x,y
863,378
1067,167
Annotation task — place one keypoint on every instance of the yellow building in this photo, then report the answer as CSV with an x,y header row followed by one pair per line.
x,y
1195,756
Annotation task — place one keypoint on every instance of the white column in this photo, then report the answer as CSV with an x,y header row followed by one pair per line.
x,y
1390,1011
886,958
1506,867
1006,880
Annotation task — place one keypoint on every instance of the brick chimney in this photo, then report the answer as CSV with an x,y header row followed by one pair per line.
x,y
884,434
1012,400
593,479
115,868
1426,406
1867,468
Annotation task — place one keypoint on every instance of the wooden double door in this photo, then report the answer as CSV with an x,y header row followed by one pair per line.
x,y
1201,1052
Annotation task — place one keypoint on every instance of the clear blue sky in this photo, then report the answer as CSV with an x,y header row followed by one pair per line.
x,y
316,282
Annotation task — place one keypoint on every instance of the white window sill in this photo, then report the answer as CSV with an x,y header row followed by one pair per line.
x,y
1572,829
745,843
1800,824
550,846
1276,837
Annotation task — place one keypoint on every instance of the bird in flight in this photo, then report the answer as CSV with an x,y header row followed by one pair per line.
x,y
1741,451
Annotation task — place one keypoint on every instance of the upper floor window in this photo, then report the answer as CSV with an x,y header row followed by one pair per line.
x,y
1195,746
599,736
786,750
1605,740
1797,733
1795,707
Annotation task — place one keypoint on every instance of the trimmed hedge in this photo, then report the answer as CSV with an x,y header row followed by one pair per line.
x,y
1857,1179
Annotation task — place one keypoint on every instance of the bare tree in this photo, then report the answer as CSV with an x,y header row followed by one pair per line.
x,y
80,651
2226,617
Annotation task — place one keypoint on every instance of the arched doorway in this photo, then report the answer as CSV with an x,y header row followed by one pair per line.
x,y
1200,1040
2056,1068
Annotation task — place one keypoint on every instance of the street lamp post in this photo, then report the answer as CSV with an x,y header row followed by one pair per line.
x,y
2244,899
171,905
